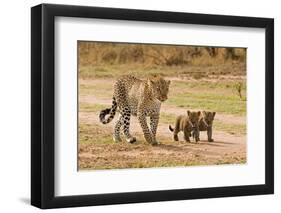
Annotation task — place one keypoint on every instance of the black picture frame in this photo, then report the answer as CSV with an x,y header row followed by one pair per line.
x,y
43,105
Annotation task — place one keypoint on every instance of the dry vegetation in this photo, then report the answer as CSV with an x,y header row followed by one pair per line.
x,y
97,53
203,78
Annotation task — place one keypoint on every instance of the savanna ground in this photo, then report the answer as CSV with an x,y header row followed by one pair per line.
x,y
204,82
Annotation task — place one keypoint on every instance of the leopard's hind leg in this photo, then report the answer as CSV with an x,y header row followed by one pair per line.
x,y
119,123
126,125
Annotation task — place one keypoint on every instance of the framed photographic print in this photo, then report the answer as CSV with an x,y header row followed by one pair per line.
x,y
139,106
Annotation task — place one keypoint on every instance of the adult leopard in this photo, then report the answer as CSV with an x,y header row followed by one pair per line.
x,y
141,98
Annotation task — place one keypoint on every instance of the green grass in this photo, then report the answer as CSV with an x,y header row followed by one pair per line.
x,y
234,129
218,102
113,71
219,96
98,89
226,85
167,118
86,107
194,71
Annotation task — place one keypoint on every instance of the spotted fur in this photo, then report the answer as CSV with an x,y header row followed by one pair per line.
x,y
206,124
141,98
186,123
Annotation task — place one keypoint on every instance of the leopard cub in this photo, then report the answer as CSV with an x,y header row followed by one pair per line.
x,y
205,124
186,123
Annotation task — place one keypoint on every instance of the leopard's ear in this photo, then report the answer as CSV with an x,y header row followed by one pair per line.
x,y
188,112
168,82
214,113
199,113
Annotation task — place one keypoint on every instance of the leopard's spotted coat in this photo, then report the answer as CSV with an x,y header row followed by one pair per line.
x,y
141,98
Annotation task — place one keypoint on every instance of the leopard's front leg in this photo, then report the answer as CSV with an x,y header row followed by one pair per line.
x,y
154,120
146,131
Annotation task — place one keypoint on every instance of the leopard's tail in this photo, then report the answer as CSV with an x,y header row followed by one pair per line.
x,y
111,111
171,128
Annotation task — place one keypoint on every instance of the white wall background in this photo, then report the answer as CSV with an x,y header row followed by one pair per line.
x,y
15,105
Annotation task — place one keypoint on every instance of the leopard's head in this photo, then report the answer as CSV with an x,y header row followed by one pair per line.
x,y
194,117
209,117
160,88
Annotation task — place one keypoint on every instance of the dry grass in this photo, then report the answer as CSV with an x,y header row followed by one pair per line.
x,y
95,53
122,155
